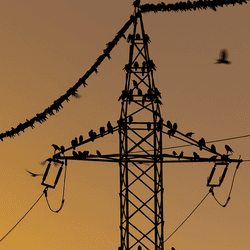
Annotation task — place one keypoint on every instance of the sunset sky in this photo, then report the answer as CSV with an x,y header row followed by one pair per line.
x,y
46,46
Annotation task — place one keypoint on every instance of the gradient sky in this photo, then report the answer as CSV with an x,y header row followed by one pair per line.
x,y
46,46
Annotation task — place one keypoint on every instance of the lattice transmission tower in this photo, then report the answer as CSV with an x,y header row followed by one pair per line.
x,y
140,144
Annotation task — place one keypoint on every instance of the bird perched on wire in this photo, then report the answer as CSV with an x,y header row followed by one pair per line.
x,y
80,139
223,57
98,153
32,174
196,156
174,153
228,149
55,147
180,155
74,143
201,143
213,149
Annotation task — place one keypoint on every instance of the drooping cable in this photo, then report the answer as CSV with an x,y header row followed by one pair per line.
x,y
63,193
23,216
187,217
57,104
230,191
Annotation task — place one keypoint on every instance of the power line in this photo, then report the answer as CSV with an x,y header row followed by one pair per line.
x,y
187,217
23,216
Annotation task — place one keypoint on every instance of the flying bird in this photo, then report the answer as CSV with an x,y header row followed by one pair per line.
x,y
32,174
223,57
228,149
189,134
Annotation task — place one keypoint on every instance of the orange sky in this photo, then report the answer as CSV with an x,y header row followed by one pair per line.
x,y
47,46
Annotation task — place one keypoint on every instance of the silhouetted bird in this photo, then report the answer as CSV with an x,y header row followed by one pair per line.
x,y
139,248
181,155
213,149
144,65
201,143
148,126
32,174
55,147
139,91
224,158
175,126
196,156
158,101
98,153
223,57
174,153
75,154
62,149
169,124
228,149
80,139
213,158
135,83
130,38
130,119
110,128
92,135
136,66
189,134
137,36
157,92
102,130
74,143
136,3
172,248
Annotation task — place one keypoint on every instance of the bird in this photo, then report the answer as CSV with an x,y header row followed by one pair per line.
x,y
148,126
172,248
201,143
135,83
213,149
74,143
169,124
55,147
175,126
98,153
102,130
228,149
32,174
180,155
189,134
139,91
110,128
130,119
136,66
62,149
223,57
174,153
75,154
213,158
196,156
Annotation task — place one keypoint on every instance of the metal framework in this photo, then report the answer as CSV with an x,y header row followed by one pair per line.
x,y
140,139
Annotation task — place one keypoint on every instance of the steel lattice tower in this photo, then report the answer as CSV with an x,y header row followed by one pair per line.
x,y
140,143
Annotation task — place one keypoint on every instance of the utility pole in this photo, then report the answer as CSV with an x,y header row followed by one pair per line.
x,y
140,139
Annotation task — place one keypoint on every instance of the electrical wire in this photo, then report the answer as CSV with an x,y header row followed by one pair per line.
x,y
187,217
63,193
23,216
230,191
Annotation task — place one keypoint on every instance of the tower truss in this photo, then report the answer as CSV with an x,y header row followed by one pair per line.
x,y
140,148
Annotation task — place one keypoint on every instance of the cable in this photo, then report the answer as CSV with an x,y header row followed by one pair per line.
x,y
230,191
187,217
184,6
63,193
23,216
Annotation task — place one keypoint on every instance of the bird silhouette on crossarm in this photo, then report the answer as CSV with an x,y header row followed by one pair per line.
x,y
223,57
